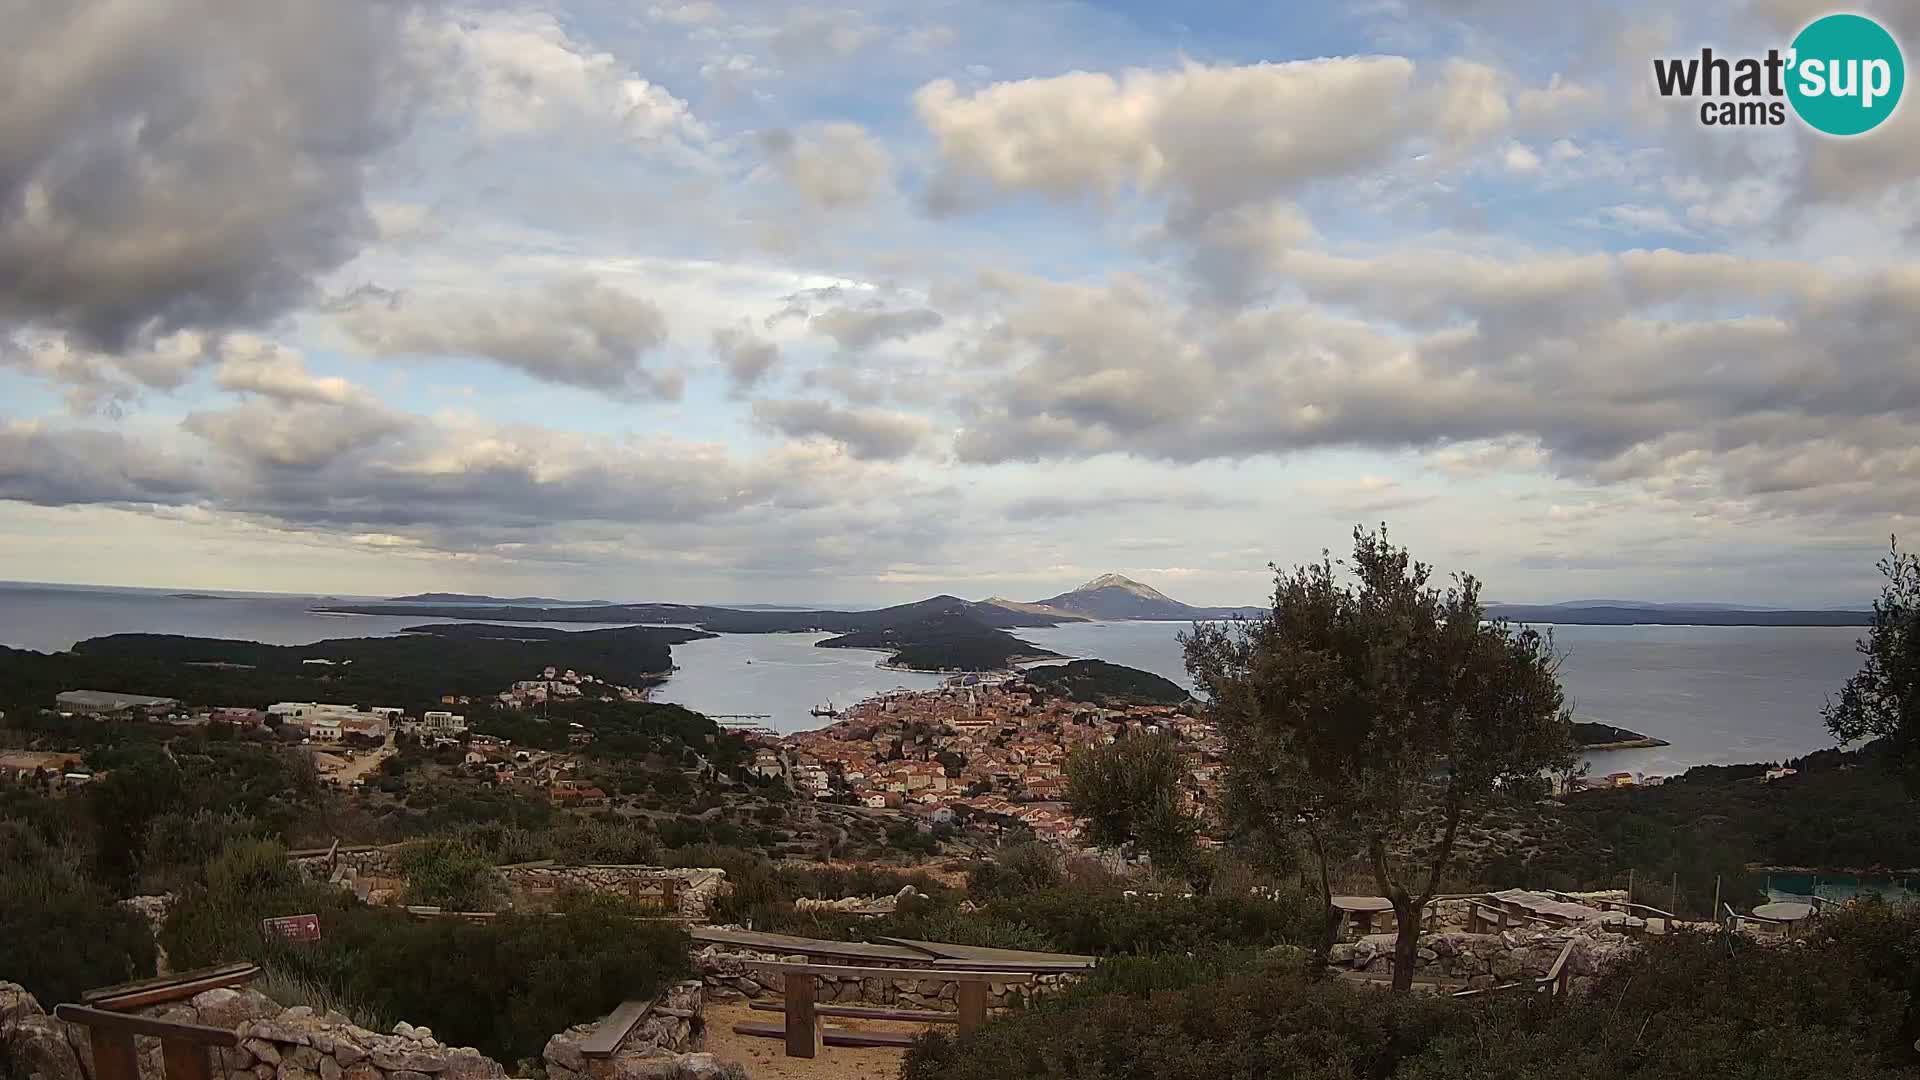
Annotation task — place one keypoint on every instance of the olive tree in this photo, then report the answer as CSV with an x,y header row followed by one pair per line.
x,y
1129,792
1370,713
1882,699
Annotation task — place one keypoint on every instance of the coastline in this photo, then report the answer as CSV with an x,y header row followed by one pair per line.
x,y
1625,744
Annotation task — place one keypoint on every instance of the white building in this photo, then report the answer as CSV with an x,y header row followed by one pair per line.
x,y
443,721
323,729
298,710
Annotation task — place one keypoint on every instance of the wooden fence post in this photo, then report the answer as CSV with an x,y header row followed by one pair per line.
x,y
800,1033
973,1005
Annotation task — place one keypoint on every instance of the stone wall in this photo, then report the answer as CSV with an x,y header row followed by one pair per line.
x,y
376,876
1489,959
728,977
696,889
663,1045
276,1043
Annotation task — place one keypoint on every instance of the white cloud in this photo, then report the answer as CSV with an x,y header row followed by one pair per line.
x,y
520,73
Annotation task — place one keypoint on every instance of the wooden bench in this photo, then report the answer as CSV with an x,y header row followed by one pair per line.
x,y
183,1047
611,1032
799,984
128,996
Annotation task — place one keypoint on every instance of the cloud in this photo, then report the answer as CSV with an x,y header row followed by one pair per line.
x,y
187,164
746,357
1047,507
815,35
873,434
573,331
1209,135
833,167
295,433
1783,387
71,467
101,381
860,328
267,369
520,73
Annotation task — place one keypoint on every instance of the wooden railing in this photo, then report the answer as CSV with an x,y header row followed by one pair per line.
x,y
184,1048
1554,982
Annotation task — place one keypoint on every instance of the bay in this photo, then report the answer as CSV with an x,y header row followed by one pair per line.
x,y
1719,695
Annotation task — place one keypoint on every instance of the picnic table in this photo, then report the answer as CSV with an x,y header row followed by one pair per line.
x,y
1787,913
1360,910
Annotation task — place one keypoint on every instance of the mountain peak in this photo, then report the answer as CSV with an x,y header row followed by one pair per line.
x,y
1126,584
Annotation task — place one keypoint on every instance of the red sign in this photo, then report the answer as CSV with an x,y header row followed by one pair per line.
x,y
305,928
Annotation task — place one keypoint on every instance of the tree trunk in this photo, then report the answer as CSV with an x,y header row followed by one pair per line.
x,y
1329,918
1406,943
1405,914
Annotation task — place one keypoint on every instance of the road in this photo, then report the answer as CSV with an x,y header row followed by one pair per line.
x,y
334,766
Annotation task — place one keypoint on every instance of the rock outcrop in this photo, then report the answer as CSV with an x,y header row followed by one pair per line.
x,y
1490,959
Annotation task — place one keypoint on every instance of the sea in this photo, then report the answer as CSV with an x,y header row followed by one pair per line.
x,y
1717,695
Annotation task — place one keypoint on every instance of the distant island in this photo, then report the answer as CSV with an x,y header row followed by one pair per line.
x,y
1104,684
948,633
1672,615
469,598
1592,736
194,596
951,640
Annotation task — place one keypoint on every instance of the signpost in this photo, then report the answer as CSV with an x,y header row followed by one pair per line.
x,y
299,928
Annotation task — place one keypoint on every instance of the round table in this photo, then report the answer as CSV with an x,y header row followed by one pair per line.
x,y
1361,909
1785,912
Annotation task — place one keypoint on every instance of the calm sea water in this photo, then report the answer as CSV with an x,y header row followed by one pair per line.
x,y
1720,695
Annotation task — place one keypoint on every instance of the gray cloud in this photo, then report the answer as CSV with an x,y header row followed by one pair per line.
x,y
746,357
867,433
1785,387
573,331
1050,507
302,435
187,163
70,467
858,329
833,166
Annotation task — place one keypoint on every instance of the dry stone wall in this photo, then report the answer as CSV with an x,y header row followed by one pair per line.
x,y
663,1045
376,875
275,1043
729,976
1490,959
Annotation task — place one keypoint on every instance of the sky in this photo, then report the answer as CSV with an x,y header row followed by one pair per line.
x,y
704,300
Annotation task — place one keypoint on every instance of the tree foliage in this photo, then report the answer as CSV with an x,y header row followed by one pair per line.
x,y
1129,791
1373,710
61,931
1882,699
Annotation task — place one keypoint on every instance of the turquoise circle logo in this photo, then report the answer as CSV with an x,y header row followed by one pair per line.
x,y
1847,75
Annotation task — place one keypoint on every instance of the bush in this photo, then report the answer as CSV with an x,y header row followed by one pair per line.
x,y
1841,1003
1016,869
60,931
1272,1023
450,874
503,986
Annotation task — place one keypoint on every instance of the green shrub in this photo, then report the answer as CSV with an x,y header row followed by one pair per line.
x,y
1839,1003
1266,1024
60,931
450,874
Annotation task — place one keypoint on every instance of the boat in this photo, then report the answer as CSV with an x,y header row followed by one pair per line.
x,y
823,710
